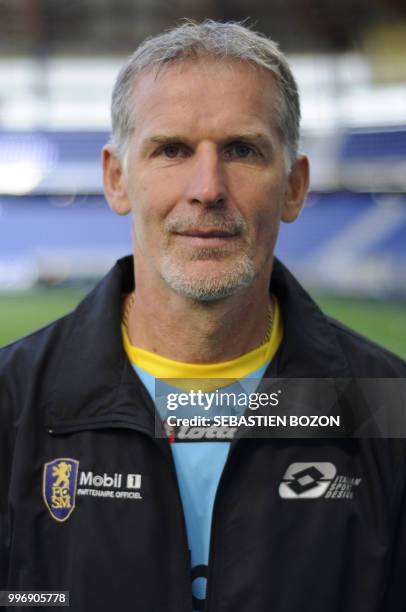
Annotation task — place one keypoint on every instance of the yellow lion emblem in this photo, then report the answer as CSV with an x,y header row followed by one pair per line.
x,y
59,483
62,472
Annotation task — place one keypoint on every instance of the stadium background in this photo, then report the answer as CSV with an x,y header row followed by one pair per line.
x,y
58,62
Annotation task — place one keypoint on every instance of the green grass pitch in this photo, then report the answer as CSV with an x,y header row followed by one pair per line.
x,y
383,322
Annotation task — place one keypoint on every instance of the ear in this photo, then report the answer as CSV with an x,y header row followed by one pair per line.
x,y
298,184
114,181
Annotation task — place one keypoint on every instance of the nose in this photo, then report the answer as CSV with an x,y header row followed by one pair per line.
x,y
206,184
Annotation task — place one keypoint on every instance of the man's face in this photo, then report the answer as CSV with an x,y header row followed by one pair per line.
x,y
206,179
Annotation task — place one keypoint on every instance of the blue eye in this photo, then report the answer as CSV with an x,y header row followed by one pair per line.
x,y
172,151
240,150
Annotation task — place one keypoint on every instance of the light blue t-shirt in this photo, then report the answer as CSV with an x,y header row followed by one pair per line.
x,y
199,466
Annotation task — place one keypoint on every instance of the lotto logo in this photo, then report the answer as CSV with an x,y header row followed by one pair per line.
x,y
307,480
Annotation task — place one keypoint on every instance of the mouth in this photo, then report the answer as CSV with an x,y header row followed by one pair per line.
x,y
213,233
206,238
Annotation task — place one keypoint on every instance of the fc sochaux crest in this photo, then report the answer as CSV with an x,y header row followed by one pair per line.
x,y
59,487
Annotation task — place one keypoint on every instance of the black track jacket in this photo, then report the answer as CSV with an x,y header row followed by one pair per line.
x,y
68,392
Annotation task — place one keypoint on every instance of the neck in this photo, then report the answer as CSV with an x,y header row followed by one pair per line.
x,y
199,332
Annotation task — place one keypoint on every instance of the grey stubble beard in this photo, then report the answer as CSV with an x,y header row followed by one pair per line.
x,y
212,287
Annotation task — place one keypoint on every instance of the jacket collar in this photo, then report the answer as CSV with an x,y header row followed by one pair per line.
x,y
92,384
310,347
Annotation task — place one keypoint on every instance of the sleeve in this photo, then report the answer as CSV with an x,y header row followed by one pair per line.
x,y
395,593
7,436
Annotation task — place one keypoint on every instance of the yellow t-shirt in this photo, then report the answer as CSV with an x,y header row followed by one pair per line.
x,y
162,367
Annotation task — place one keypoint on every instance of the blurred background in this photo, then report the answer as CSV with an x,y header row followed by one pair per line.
x,y
58,62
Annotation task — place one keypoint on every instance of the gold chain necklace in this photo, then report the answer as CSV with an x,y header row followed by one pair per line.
x,y
127,309
270,323
131,299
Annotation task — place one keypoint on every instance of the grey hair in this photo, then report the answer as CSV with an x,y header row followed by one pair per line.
x,y
216,39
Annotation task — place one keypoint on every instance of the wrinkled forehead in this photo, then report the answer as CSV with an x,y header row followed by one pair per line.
x,y
204,81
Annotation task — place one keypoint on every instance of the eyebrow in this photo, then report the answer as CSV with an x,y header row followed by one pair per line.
x,y
258,138
159,140
162,139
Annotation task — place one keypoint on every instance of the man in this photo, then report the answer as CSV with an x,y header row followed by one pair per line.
x,y
94,499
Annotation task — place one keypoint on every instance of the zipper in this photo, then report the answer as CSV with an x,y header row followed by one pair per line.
x,y
210,572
